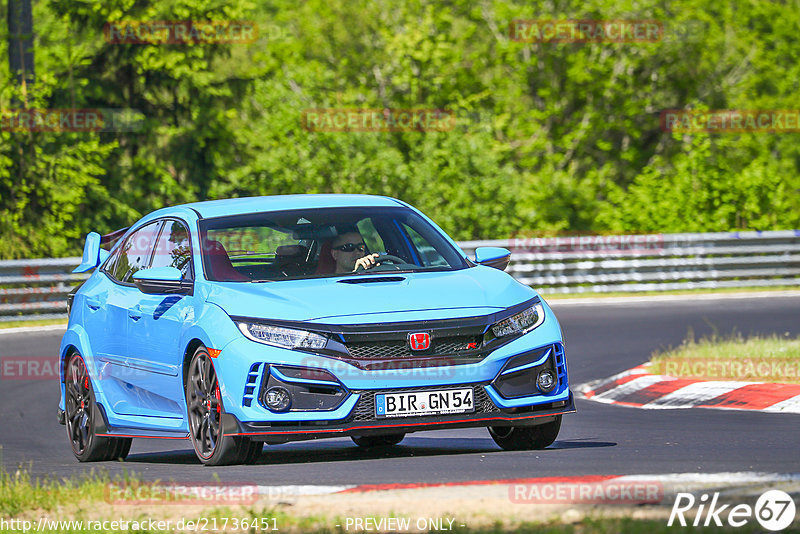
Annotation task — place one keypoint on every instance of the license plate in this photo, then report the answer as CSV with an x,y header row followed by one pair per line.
x,y
424,403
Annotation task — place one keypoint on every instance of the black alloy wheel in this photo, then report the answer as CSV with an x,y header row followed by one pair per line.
x,y
205,413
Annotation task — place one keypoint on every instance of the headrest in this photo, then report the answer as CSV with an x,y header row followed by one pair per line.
x,y
290,250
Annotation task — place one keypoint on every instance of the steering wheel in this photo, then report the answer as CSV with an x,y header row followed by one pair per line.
x,y
382,258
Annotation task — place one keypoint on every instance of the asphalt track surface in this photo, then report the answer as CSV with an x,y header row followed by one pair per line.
x,y
601,339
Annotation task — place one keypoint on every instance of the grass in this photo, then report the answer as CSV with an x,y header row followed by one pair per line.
x,y
20,493
86,499
756,359
42,322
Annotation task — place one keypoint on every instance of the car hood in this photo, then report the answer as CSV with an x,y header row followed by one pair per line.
x,y
403,297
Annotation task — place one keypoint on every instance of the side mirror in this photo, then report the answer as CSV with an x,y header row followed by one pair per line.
x,y
93,255
493,257
162,280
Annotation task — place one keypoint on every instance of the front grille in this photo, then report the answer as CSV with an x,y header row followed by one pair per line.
x,y
401,349
365,408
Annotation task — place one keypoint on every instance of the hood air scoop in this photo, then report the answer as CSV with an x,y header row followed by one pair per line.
x,y
374,279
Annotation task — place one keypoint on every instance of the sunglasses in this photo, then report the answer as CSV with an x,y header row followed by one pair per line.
x,y
350,247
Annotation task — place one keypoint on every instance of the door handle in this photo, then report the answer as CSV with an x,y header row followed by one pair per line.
x,y
93,303
135,313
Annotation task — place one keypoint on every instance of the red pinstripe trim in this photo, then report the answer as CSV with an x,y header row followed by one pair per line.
x,y
429,423
131,436
587,479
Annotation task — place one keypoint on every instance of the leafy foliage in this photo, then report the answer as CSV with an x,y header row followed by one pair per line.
x,y
548,136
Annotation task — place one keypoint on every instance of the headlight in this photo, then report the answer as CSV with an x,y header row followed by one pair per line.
x,y
521,323
282,337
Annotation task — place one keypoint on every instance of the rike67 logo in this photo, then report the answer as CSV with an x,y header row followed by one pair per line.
x,y
774,510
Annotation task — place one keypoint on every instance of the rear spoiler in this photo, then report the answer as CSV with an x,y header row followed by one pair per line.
x,y
93,255
113,236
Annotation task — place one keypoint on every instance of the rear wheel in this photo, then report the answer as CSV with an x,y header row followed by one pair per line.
x,y
370,442
519,438
204,405
83,418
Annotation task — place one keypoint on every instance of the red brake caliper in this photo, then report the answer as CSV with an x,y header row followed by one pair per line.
x,y
219,401
86,385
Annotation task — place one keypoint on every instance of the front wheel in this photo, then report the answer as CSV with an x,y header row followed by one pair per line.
x,y
204,406
83,417
521,438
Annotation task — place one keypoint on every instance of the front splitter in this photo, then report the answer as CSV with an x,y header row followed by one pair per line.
x,y
284,432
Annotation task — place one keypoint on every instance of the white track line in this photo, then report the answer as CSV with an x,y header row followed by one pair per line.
x,y
726,479
634,385
275,492
791,405
740,477
32,329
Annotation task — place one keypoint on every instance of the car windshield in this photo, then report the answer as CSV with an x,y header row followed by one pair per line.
x,y
297,244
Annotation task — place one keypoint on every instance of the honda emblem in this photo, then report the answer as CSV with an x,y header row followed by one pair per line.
x,y
419,341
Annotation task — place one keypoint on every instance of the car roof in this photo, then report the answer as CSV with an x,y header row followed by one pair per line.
x,y
239,206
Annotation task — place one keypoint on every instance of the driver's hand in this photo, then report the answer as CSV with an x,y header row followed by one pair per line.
x,y
366,262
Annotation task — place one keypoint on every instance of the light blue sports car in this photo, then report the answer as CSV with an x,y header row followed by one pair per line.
x,y
234,323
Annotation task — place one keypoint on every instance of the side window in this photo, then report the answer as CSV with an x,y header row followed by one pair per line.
x,y
429,256
371,237
135,252
111,262
173,249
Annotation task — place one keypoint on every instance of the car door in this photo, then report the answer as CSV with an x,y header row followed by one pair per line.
x,y
97,297
155,326
119,378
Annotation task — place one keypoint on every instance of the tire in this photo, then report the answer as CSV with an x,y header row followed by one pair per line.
x,y
522,438
83,419
204,411
372,442
251,452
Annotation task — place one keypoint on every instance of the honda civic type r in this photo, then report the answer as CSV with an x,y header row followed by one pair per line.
x,y
235,323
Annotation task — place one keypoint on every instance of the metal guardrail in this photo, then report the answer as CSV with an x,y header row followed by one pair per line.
x,y
656,262
37,289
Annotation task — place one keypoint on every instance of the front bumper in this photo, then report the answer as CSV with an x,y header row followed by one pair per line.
x,y
247,369
305,430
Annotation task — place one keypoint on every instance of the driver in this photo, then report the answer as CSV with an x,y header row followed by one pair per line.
x,y
347,250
